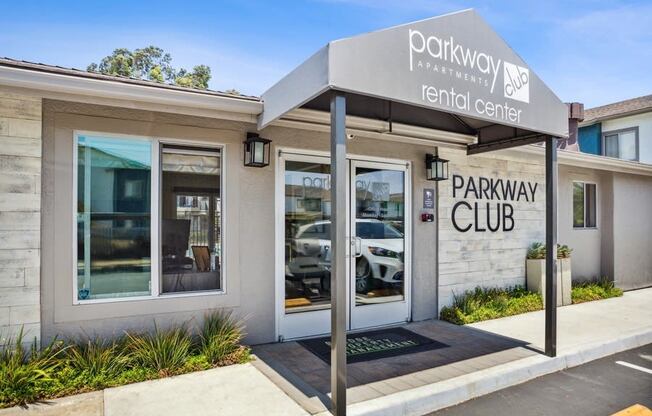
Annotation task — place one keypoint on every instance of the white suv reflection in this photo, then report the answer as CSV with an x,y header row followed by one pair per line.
x,y
380,253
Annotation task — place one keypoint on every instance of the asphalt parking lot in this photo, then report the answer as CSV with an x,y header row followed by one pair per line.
x,y
600,388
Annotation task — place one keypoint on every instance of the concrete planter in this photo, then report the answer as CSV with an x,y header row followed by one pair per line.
x,y
536,279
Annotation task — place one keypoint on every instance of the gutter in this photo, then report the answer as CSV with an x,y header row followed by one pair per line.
x,y
587,160
116,90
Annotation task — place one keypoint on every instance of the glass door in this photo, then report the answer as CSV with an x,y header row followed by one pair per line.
x,y
379,244
305,280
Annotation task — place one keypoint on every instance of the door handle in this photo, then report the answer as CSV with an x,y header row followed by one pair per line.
x,y
358,246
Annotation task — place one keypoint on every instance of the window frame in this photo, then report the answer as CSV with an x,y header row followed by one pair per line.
x,y
597,215
155,219
618,132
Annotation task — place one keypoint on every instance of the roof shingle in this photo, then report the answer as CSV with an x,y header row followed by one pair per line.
x,y
631,106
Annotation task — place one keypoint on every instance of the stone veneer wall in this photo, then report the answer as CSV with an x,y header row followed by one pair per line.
x,y
20,215
489,259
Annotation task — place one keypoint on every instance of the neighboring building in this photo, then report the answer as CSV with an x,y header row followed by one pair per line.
x,y
621,130
125,201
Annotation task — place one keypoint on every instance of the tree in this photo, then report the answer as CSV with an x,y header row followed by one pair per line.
x,y
151,63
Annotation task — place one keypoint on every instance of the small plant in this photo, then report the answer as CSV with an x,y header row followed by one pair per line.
x,y
22,373
537,251
602,288
28,375
163,350
481,304
220,337
96,357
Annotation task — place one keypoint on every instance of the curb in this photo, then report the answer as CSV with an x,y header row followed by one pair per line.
x,y
426,399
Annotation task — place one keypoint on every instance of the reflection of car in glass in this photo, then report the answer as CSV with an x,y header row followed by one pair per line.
x,y
380,254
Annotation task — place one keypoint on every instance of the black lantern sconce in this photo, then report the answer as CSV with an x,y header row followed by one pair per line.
x,y
436,168
256,151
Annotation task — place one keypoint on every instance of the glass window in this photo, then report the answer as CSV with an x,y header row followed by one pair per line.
x,y
589,204
584,205
191,219
307,236
622,145
113,217
578,204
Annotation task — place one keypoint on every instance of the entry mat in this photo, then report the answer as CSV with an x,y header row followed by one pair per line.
x,y
372,345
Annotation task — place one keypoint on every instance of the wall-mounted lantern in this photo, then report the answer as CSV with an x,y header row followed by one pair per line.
x,y
436,168
256,151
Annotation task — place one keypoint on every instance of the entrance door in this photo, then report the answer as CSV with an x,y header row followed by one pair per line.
x,y
378,224
378,275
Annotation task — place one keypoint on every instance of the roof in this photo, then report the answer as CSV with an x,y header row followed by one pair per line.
x,y
621,108
450,73
55,69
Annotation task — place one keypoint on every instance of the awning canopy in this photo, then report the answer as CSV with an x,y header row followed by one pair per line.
x,y
451,73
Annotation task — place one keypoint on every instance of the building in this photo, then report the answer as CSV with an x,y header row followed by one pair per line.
x,y
124,202
622,130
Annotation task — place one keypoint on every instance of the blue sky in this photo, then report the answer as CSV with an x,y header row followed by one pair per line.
x,y
593,51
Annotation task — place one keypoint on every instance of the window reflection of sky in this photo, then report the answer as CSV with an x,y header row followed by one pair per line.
x,y
126,149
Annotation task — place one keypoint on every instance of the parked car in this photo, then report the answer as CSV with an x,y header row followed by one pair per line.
x,y
379,250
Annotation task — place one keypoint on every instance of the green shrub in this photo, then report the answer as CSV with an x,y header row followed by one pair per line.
x,y
594,290
538,251
23,374
489,303
92,363
96,358
163,350
220,338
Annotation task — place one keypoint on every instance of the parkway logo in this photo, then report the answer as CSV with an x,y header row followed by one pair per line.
x,y
484,68
516,82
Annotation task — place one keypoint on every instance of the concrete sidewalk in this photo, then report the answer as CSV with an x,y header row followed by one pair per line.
x,y
582,324
227,391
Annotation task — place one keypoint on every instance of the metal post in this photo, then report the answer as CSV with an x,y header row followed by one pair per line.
x,y
551,247
339,189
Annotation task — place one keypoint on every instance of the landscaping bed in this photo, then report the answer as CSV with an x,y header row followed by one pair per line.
x,y
66,368
482,304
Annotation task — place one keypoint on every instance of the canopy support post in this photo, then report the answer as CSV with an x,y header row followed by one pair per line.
x,y
551,247
338,254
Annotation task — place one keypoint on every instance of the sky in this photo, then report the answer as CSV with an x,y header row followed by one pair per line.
x,y
591,51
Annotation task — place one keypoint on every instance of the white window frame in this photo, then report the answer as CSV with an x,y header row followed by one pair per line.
x,y
155,209
597,215
618,132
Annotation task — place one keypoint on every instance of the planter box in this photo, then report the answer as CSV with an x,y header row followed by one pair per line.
x,y
536,279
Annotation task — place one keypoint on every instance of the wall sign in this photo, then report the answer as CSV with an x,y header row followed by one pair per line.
x,y
428,198
499,215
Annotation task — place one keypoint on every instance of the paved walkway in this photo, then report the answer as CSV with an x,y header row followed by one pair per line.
x,y
306,377
581,324
228,391
483,357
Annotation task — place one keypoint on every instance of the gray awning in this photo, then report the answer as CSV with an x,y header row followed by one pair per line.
x,y
451,73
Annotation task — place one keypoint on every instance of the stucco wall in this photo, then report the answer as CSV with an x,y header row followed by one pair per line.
x,y
586,261
467,259
249,219
60,316
644,123
632,243
485,258
20,207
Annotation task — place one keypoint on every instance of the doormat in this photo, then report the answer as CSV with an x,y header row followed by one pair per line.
x,y
372,345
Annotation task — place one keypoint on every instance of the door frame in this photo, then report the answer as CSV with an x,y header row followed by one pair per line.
x,y
279,235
